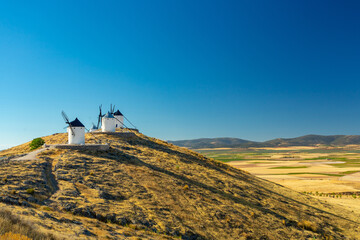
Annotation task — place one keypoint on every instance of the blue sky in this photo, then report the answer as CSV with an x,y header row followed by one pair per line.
x,y
186,69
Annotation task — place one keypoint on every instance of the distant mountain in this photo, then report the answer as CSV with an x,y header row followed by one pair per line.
x,y
213,143
308,140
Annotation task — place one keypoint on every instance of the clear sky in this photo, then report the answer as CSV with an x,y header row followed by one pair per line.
x,y
184,69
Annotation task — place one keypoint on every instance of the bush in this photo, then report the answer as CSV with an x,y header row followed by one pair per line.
x,y
30,191
36,143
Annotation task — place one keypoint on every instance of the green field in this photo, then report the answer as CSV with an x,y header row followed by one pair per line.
x,y
349,157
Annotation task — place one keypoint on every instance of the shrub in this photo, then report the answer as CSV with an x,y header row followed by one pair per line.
x,y
186,187
30,191
307,225
36,143
46,208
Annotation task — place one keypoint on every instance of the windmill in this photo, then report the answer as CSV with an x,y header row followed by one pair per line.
x,y
108,123
112,109
119,119
76,130
99,117
66,119
93,128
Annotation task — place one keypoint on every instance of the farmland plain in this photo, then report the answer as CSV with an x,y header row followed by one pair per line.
x,y
328,173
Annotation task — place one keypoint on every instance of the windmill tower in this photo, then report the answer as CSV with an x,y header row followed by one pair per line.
x,y
119,119
108,123
93,128
76,130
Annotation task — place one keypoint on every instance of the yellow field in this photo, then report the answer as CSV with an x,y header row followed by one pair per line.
x,y
329,173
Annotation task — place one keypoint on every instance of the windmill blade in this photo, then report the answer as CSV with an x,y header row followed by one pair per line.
x,y
99,117
98,122
65,117
72,131
113,110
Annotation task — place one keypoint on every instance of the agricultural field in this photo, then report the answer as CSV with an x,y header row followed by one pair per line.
x,y
328,173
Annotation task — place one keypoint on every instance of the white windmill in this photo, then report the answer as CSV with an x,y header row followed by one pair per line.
x,y
76,130
108,123
93,128
119,119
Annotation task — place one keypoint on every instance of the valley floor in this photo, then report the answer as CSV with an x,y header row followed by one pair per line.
x,y
329,173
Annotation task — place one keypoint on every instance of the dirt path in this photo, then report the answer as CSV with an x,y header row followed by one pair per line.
x,y
29,156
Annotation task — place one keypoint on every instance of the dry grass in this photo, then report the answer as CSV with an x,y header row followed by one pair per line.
x,y
146,188
307,225
11,227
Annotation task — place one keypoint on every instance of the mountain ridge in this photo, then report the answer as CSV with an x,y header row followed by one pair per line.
x,y
306,140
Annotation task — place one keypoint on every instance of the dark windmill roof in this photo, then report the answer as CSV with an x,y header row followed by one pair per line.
x,y
118,113
108,115
76,123
94,127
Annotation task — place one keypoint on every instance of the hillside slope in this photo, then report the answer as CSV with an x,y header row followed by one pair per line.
x,y
146,188
308,140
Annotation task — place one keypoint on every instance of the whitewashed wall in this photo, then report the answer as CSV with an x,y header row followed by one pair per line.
x,y
78,138
108,124
119,122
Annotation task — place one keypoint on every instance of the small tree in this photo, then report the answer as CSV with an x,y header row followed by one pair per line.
x,y
36,143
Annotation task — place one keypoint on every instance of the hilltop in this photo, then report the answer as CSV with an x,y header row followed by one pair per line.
x,y
308,140
145,188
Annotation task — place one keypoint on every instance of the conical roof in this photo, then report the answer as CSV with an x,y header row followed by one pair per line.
x,y
76,123
118,113
108,115
94,127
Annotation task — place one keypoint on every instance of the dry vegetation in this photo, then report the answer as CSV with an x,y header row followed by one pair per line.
x,y
12,228
146,188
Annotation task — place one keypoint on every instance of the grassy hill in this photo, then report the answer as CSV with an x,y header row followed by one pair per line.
x,y
308,140
145,188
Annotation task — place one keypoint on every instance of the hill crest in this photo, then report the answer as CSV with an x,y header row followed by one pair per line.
x,y
147,188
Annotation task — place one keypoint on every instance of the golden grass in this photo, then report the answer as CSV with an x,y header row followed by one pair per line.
x,y
13,236
307,225
12,228
143,187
